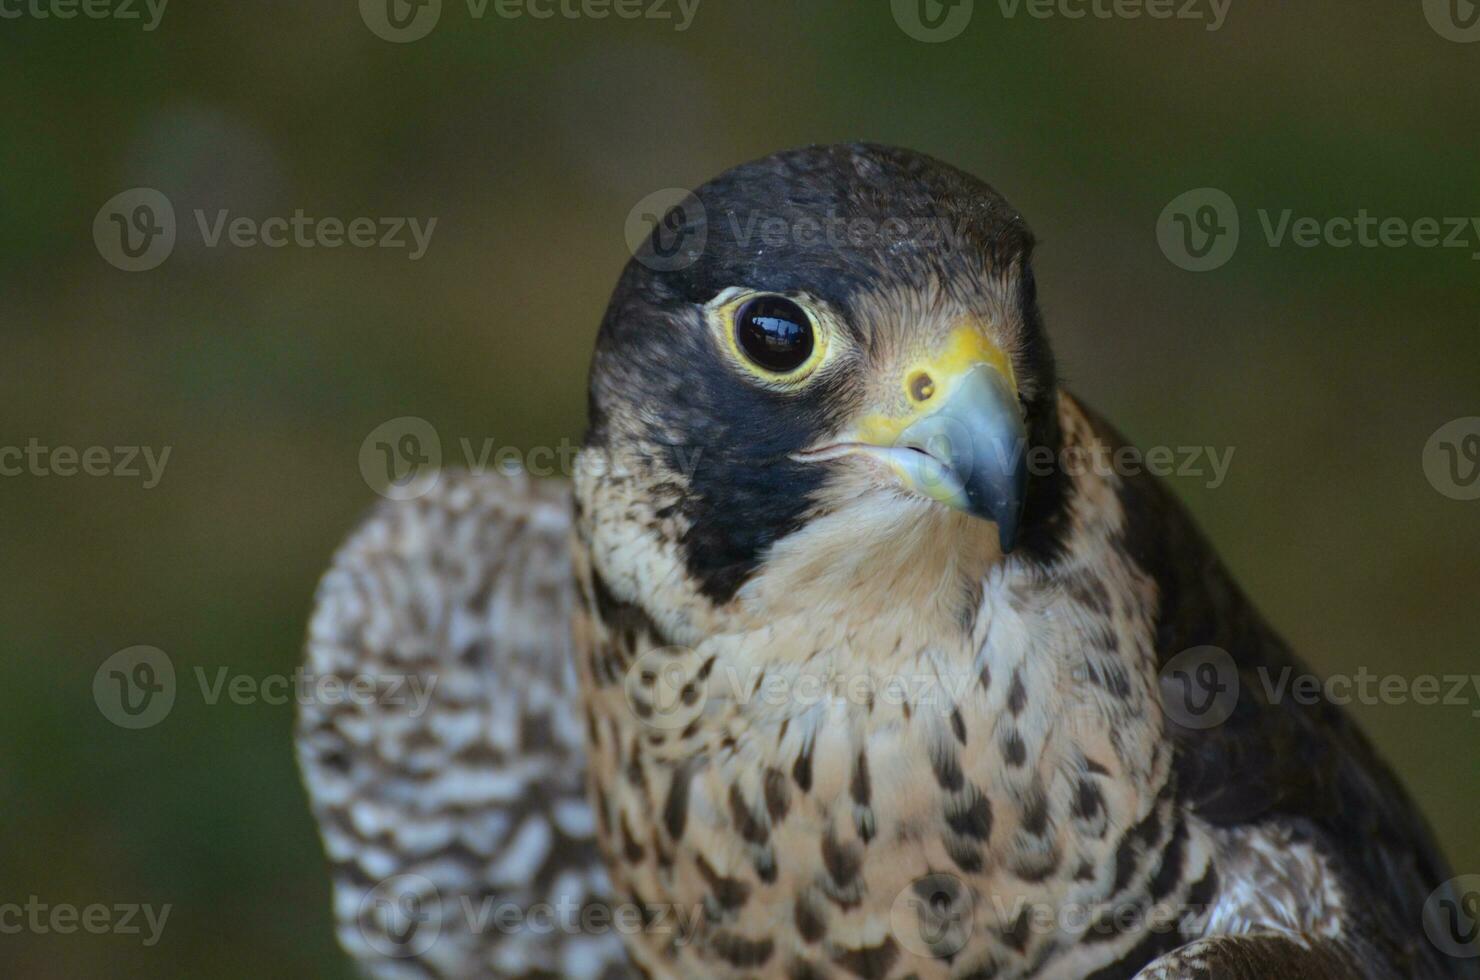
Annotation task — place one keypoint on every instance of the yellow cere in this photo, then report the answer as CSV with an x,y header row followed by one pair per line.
x,y
967,346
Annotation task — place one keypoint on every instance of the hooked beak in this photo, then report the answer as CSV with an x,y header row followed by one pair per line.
x,y
963,442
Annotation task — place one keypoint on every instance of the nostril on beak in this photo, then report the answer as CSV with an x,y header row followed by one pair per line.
x,y
922,387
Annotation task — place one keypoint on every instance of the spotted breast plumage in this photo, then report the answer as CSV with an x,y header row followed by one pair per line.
x,y
851,668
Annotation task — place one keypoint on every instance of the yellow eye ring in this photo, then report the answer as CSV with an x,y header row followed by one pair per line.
x,y
776,339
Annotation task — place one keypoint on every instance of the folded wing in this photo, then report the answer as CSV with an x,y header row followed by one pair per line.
x,y
443,748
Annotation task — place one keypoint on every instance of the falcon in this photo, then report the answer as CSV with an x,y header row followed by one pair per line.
x,y
838,657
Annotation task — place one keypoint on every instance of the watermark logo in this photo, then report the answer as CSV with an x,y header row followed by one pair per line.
x,y
402,459
401,917
401,21
933,917
135,687
665,688
933,21
1454,20
1199,230
1200,687
1451,917
135,230
667,230
1451,459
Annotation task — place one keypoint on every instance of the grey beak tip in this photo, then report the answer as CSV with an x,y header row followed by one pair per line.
x,y
1007,536
979,436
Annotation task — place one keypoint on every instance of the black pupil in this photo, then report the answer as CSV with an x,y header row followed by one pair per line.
x,y
774,333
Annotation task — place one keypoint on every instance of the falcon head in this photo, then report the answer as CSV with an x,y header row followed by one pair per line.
x,y
832,350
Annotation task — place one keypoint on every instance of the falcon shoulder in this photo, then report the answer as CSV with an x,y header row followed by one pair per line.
x,y
1304,769
451,803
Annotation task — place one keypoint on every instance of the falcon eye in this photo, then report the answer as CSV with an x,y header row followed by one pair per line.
x,y
775,333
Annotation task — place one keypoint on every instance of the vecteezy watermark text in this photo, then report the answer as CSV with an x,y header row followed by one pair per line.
x,y
404,916
935,916
1201,688
137,230
402,21
835,231
935,21
150,12
136,688
1366,687
402,459
668,229
1207,463
411,691
1199,230
36,459
1211,13
99,919
680,12
305,231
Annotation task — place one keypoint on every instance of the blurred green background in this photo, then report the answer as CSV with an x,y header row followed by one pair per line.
x,y
264,369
